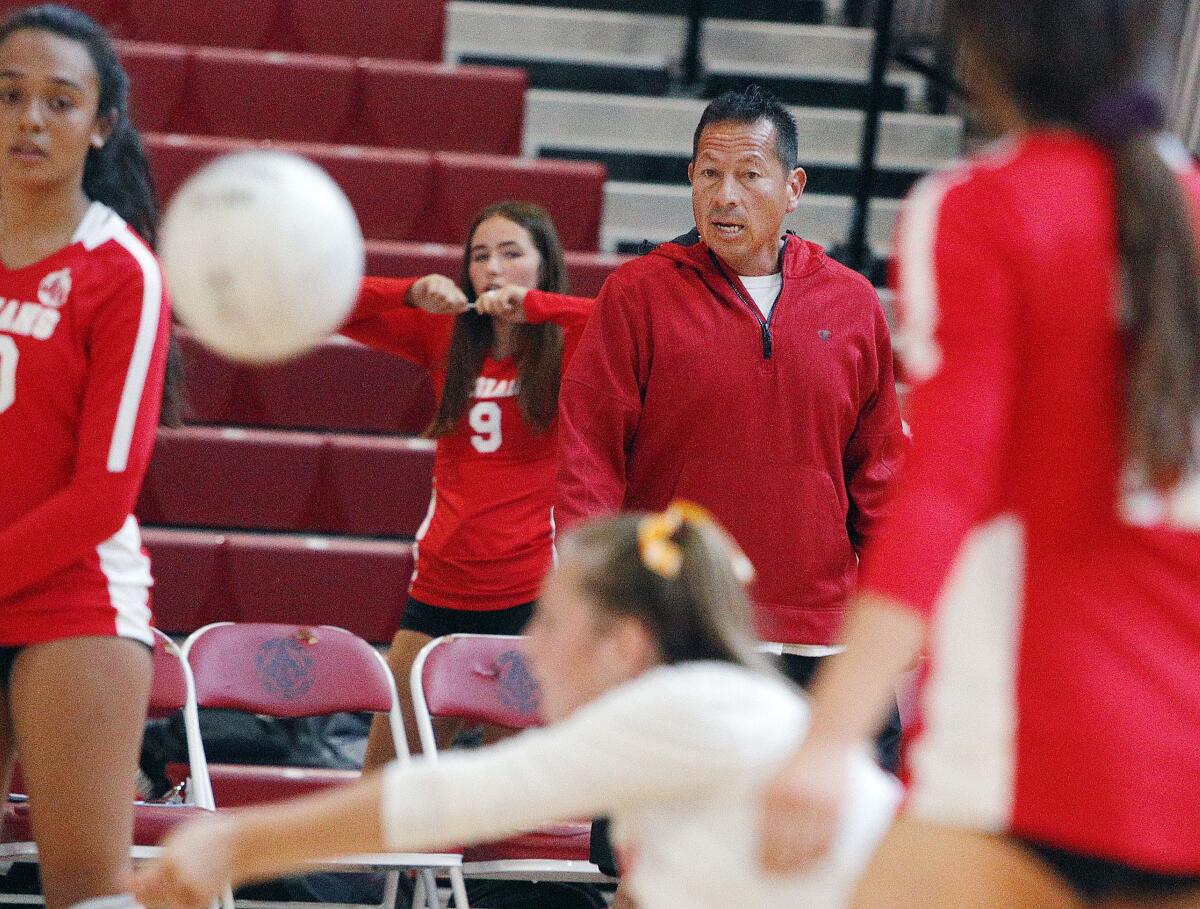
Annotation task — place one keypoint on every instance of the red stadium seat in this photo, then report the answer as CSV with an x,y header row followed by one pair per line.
x,y
174,158
406,260
190,588
590,270
219,23
389,188
358,389
275,95
158,80
380,486
360,585
396,29
460,108
269,480
573,193
238,478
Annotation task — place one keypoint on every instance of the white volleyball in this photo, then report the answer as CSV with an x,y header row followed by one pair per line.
x,y
263,255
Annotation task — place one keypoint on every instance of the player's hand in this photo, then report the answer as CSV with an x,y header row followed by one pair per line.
x,y
196,864
801,806
437,294
506,303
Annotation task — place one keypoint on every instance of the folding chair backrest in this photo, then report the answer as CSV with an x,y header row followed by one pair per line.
x,y
479,678
287,670
169,687
173,689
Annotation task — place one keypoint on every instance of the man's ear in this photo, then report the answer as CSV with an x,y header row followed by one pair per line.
x,y
795,185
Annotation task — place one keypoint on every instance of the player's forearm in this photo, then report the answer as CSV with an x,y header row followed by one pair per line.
x,y
562,309
269,842
855,690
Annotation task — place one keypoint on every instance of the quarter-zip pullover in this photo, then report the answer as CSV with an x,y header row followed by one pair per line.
x,y
786,428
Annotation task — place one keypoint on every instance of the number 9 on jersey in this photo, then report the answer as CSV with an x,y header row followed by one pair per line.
x,y
485,420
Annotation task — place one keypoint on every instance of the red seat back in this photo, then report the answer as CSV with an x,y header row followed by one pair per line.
x,y
188,570
280,96
216,23
404,29
572,191
461,108
158,80
287,670
360,389
481,678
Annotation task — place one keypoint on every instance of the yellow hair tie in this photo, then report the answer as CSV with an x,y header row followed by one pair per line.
x,y
662,555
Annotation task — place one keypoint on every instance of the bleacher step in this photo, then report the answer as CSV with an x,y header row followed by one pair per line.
x,y
812,11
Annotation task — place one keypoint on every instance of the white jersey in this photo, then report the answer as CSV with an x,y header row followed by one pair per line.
x,y
678,758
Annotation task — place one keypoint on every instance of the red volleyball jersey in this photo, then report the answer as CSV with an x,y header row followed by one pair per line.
x,y
487,541
83,346
1062,697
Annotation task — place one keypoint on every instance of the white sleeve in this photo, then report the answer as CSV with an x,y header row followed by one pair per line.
x,y
644,741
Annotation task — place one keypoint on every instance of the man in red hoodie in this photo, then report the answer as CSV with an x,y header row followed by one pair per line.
x,y
742,369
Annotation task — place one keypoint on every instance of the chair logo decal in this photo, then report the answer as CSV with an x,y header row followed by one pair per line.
x,y
285,668
517,687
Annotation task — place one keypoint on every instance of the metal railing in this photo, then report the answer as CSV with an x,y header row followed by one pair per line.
x,y
914,34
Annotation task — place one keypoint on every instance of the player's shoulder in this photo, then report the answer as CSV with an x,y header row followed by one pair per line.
x,y
708,688
104,235
108,253
970,180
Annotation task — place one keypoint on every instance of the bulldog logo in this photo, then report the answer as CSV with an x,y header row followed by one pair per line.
x,y
518,688
284,668
54,288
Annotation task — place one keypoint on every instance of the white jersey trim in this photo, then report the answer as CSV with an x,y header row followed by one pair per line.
x,y
99,225
143,348
421,531
127,571
914,340
964,762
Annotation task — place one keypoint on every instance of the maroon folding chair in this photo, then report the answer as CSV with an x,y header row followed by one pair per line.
x,y
283,670
485,679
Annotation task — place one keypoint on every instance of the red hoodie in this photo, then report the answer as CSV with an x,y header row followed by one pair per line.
x,y
786,428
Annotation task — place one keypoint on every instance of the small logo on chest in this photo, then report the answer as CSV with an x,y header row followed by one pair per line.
x,y
824,334
55,288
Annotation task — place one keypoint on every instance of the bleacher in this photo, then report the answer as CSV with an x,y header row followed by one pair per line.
x,y
294,492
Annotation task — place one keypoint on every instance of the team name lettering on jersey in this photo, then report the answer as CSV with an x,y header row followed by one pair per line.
x,y
496,388
28,319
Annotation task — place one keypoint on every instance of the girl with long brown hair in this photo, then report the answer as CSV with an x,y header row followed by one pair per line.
x,y
1044,547
495,346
